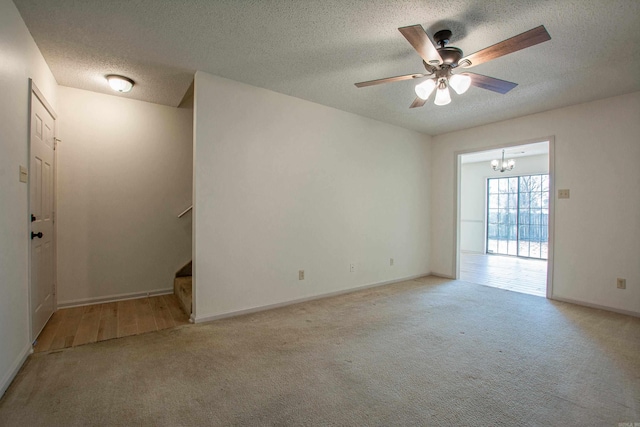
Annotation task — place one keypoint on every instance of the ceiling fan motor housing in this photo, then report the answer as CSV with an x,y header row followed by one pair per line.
x,y
450,55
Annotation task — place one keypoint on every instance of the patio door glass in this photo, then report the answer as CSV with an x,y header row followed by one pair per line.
x,y
517,216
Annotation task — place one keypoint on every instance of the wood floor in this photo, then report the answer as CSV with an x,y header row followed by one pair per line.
x,y
525,275
70,327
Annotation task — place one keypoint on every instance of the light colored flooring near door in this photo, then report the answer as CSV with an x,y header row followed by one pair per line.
x,y
525,275
429,351
71,327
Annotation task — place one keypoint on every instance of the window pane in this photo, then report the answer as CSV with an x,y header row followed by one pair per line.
x,y
545,182
493,186
536,200
513,185
536,183
493,201
502,186
492,232
493,216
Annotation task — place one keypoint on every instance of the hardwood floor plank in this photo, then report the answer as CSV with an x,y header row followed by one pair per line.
x,y
179,316
161,313
511,273
68,327
108,327
127,319
82,325
46,337
88,328
144,316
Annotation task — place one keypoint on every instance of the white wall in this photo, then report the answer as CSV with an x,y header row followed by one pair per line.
x,y
283,184
20,60
473,192
597,229
124,174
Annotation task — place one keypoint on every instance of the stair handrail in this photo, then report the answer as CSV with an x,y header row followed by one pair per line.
x,y
184,212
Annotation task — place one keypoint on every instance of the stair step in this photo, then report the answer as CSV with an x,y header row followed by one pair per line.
x,y
186,270
182,288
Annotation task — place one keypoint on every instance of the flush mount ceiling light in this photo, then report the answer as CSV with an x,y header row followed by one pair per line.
x,y
502,166
120,83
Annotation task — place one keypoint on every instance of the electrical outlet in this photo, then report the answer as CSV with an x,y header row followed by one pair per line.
x,y
391,261
300,274
621,283
563,194
352,267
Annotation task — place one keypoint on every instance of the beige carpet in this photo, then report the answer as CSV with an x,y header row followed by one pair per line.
x,y
426,352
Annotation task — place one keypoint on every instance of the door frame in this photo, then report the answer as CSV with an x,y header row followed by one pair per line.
x,y
33,90
457,162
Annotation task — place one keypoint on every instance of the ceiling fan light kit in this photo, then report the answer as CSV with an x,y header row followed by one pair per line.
x,y
440,60
443,97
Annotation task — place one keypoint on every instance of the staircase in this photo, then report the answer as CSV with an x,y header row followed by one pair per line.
x,y
182,287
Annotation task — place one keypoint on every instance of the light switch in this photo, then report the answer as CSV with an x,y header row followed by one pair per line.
x,y
24,174
563,194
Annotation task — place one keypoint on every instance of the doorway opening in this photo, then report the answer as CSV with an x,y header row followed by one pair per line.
x,y
505,217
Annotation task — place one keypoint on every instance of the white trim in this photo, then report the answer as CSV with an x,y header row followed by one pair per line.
x,y
113,298
444,276
552,214
15,368
596,306
305,299
33,88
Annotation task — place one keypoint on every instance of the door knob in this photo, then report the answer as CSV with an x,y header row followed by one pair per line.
x,y
38,235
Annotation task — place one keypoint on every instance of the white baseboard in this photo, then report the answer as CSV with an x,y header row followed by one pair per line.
x,y
599,307
305,299
444,276
113,298
14,369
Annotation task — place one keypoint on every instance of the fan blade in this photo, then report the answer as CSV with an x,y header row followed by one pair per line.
x,y
491,83
421,42
514,44
390,79
418,102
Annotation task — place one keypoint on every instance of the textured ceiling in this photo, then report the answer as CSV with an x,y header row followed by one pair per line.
x,y
317,50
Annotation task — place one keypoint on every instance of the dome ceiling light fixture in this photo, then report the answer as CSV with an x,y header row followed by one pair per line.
x,y
120,84
441,60
502,166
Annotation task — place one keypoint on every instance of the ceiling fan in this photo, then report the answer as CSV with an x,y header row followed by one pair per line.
x,y
440,60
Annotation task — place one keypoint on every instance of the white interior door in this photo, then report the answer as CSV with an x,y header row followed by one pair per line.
x,y
41,204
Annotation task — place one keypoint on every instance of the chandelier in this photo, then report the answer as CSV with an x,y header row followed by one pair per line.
x,y
443,80
503,166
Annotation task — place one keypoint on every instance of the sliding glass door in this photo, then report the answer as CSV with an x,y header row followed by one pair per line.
x,y
517,216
